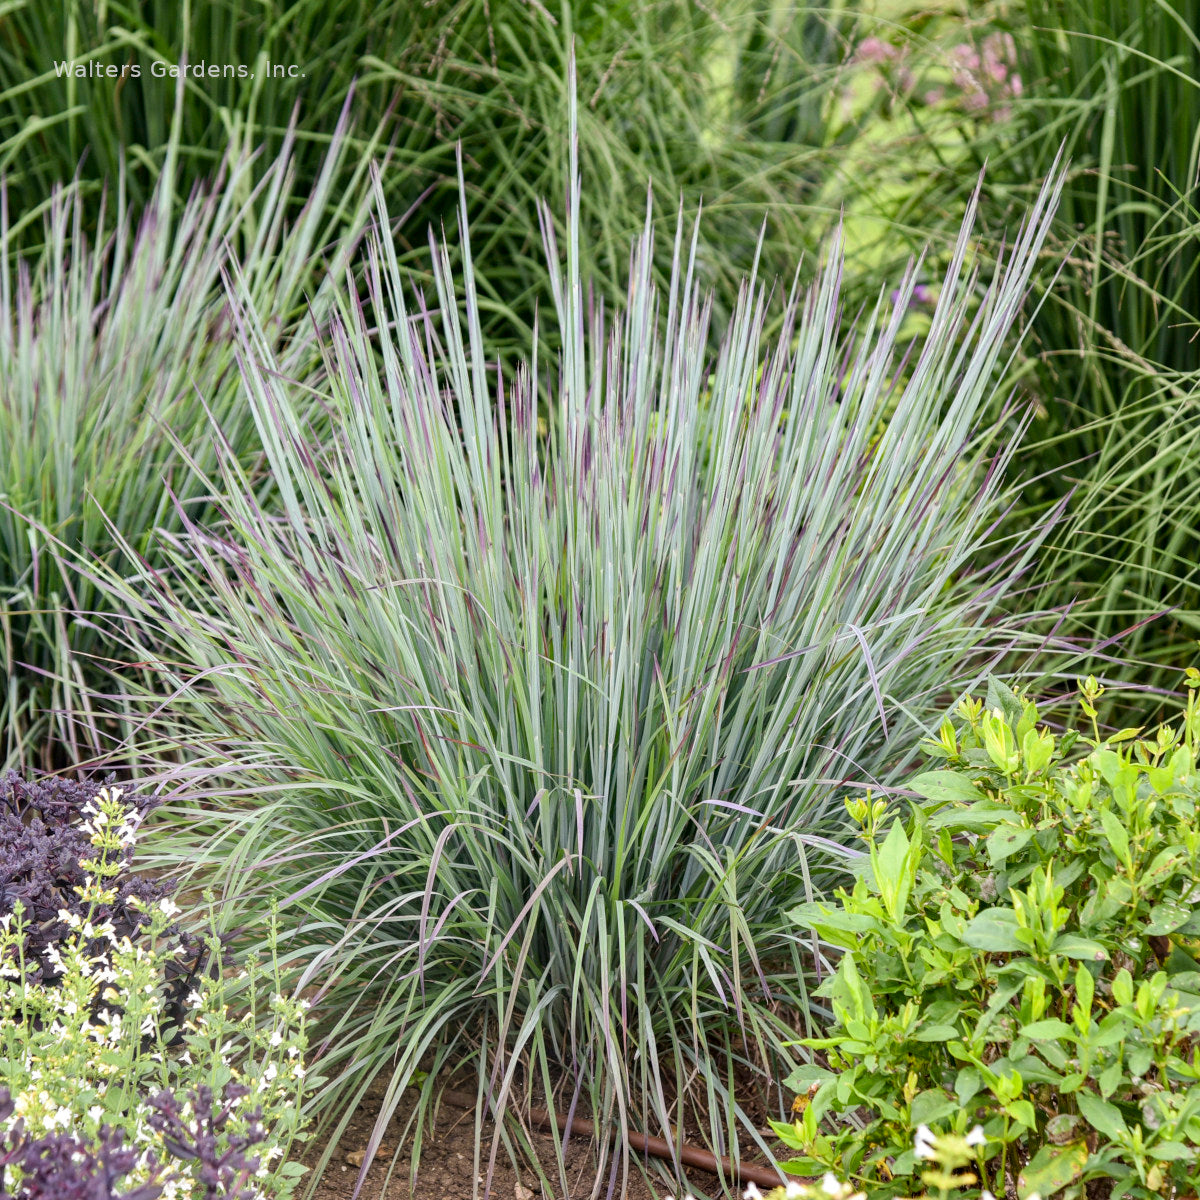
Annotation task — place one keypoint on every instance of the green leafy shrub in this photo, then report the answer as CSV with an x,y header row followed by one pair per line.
x,y
110,1072
528,710
1021,957
947,1173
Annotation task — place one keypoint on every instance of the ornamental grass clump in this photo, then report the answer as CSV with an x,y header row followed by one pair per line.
x,y
117,380
126,1070
517,712
1020,967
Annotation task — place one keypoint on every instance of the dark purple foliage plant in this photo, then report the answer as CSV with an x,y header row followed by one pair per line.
x,y
42,847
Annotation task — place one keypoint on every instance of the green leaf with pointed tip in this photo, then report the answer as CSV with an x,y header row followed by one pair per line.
x,y
931,1106
1005,841
1001,696
1172,1152
935,1033
1168,917
1118,839
983,815
805,1075
967,1084
945,787
895,870
1073,946
994,930
1049,1028
1051,1169
1101,1115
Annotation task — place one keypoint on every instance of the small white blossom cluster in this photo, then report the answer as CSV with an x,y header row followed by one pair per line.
x,y
112,825
927,1146
829,1188
89,1048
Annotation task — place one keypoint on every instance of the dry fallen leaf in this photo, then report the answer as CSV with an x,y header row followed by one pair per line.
x,y
355,1157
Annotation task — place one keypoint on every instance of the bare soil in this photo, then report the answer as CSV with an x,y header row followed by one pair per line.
x,y
446,1170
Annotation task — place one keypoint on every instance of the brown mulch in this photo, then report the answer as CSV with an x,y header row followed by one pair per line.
x,y
447,1168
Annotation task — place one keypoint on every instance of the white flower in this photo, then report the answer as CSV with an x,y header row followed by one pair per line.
x,y
793,1190
986,1195
923,1143
976,1137
752,1192
831,1185
169,907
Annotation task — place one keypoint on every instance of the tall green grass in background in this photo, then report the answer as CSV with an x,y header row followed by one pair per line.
x,y
727,104
543,724
782,109
1114,355
57,127
1119,346
118,382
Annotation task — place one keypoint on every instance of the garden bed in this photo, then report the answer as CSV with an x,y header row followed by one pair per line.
x,y
447,1160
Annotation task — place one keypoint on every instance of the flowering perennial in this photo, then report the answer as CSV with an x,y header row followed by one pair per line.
x,y
122,1073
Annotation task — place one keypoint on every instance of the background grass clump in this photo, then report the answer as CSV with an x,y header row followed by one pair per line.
x,y
1111,356
118,384
1116,347
727,106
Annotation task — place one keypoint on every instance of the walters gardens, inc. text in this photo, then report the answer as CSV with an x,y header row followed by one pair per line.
x,y
91,69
